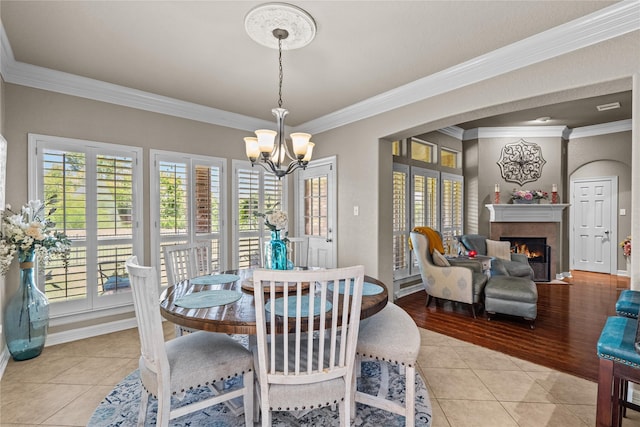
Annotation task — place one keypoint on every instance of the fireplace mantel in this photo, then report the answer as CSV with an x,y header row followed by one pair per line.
x,y
526,213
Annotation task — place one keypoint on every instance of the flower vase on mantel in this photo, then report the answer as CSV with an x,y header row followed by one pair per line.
x,y
276,253
26,318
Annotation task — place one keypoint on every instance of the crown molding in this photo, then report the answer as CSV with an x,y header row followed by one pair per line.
x,y
607,23
453,131
515,132
602,129
37,77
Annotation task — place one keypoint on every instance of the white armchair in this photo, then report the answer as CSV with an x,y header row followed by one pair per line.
x,y
455,283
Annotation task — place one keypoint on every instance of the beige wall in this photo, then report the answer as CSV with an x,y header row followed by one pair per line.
x,y
606,155
584,73
364,164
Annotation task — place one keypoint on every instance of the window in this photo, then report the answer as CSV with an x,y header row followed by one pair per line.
x,y
254,190
452,208
400,220
423,151
98,187
396,148
450,158
424,197
188,205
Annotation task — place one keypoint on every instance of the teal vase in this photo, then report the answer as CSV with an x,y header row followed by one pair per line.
x,y
26,318
278,253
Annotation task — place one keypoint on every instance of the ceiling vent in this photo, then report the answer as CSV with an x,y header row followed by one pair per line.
x,y
611,106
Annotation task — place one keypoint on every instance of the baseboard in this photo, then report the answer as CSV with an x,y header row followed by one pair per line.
x,y
624,273
4,359
403,292
90,331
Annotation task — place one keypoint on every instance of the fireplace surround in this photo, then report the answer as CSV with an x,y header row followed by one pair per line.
x,y
531,221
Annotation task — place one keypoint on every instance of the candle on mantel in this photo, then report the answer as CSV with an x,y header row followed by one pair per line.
x,y
554,188
497,188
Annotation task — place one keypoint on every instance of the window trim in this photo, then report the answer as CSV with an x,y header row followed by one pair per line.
x,y
63,312
154,200
235,233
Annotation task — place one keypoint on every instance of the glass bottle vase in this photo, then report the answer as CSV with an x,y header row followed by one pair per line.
x,y
26,318
277,255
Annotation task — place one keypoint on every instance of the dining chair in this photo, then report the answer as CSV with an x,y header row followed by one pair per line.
x,y
306,338
186,261
298,247
113,276
169,369
390,336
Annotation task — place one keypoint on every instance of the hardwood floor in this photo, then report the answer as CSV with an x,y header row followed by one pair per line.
x,y
570,319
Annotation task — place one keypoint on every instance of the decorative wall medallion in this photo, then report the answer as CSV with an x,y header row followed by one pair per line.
x,y
521,162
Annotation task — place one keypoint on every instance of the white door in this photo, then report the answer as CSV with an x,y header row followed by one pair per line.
x,y
316,211
594,203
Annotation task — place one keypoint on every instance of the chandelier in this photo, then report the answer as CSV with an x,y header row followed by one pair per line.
x,y
270,24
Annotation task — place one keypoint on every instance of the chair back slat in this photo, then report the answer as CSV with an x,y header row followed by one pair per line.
x,y
187,261
146,300
307,332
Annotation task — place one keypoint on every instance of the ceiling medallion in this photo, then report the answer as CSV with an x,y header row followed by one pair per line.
x,y
261,20
521,162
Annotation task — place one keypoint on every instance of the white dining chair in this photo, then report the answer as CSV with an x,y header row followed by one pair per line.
x,y
306,342
299,251
194,360
389,336
186,261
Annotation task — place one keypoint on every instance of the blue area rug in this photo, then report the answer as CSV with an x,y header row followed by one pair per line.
x,y
120,407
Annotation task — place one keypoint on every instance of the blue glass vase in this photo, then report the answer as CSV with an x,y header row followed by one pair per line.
x,y
26,318
278,253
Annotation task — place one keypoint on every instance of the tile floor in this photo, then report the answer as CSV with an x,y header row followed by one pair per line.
x,y
469,385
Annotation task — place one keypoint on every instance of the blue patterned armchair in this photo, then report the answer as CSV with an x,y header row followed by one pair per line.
x,y
455,283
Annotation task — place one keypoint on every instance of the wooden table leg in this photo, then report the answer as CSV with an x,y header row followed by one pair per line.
x,y
605,394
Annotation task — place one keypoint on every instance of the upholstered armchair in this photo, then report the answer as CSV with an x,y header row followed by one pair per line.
x,y
517,266
455,283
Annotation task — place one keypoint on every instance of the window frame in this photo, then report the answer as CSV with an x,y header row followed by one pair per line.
x,y
262,233
63,312
191,161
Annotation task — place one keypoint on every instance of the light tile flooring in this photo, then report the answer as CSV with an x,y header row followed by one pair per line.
x,y
469,385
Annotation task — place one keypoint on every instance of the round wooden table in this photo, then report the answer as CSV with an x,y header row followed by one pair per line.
x,y
238,317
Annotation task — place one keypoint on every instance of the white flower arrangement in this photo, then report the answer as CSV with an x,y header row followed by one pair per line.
x,y
275,220
32,230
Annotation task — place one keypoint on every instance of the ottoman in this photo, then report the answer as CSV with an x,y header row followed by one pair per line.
x,y
515,296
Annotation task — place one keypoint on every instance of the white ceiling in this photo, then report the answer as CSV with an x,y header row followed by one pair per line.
x,y
198,51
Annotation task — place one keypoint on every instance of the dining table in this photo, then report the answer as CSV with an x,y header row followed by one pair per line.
x,y
234,312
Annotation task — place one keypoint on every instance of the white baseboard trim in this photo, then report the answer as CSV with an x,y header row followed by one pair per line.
x,y
90,331
563,275
4,359
408,290
623,273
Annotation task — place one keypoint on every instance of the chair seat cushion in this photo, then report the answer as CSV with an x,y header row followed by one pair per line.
x,y
628,303
291,397
211,358
511,288
390,335
617,341
116,283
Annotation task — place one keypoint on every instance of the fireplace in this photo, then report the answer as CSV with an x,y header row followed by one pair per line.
x,y
538,253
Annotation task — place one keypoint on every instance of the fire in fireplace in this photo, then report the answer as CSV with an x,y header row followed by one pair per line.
x,y
538,253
